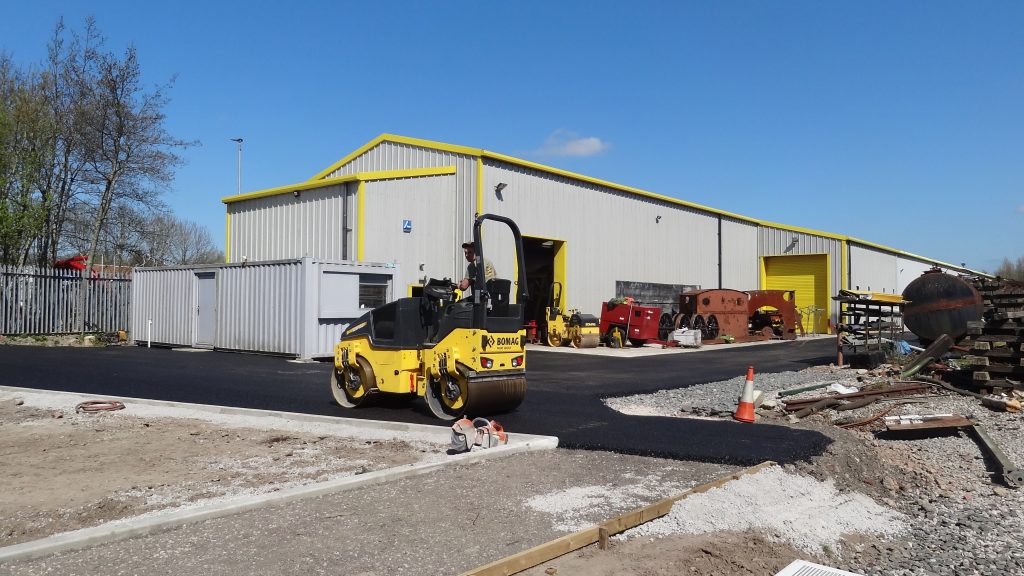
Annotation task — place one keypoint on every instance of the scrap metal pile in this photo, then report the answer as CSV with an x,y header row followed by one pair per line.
x,y
978,354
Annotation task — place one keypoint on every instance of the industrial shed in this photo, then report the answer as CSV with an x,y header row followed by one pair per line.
x,y
411,202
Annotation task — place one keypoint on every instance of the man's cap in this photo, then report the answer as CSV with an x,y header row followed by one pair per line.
x,y
469,245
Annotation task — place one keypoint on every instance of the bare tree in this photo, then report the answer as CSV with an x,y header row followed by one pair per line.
x,y
1014,270
70,67
129,153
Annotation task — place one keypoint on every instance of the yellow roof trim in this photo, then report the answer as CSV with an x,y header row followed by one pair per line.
x,y
810,231
454,148
613,185
357,177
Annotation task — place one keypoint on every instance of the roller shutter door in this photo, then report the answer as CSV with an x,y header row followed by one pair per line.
x,y
808,275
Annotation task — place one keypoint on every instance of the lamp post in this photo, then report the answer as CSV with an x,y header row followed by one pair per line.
x,y
239,142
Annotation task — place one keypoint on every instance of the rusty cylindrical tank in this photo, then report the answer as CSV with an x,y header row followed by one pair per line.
x,y
940,303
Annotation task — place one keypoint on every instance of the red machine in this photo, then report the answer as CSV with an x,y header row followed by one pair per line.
x,y
629,321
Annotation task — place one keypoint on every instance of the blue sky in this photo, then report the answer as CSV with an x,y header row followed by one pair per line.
x,y
896,122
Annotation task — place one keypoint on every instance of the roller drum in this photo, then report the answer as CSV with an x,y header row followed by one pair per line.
x,y
494,395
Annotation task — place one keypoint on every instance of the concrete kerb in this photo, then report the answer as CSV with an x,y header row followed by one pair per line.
x,y
132,528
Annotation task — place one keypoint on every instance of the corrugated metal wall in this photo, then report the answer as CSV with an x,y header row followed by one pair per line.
x,y
260,307
287,226
739,255
167,296
777,242
270,307
397,156
610,235
432,243
872,269
908,269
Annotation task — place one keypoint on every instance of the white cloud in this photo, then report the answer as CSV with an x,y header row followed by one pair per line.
x,y
566,143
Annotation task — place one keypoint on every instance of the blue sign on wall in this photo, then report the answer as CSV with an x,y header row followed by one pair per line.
x,y
407,226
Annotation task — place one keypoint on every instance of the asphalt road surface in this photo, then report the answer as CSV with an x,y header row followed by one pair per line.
x,y
563,397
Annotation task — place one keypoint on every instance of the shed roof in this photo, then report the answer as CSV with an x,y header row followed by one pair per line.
x,y
322,177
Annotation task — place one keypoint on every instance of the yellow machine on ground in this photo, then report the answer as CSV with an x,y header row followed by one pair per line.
x,y
576,329
465,357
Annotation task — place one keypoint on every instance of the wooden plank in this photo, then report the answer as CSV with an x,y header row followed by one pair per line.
x,y
1008,315
1005,369
981,377
997,338
555,548
975,360
981,346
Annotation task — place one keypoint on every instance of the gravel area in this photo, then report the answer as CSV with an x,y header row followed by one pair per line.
x,y
958,519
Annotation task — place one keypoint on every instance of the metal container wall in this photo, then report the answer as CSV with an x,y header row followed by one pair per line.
x,y
167,296
260,307
278,307
940,304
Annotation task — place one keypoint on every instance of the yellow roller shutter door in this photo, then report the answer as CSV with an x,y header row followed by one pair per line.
x,y
808,275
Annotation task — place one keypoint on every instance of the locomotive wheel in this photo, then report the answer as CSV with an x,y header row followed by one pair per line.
x,y
682,322
352,387
711,327
697,323
665,326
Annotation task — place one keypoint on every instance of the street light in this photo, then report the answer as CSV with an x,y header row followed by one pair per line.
x,y
239,142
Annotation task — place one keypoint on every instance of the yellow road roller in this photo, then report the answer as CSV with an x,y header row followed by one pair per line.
x,y
464,357
573,328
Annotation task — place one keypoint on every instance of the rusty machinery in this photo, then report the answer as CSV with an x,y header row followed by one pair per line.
x,y
714,312
773,313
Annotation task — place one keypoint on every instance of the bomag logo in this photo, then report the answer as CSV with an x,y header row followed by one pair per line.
x,y
501,342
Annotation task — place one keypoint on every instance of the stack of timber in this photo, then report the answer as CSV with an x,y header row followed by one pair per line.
x,y
996,343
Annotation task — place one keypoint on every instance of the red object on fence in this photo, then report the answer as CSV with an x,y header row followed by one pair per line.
x,y
73,263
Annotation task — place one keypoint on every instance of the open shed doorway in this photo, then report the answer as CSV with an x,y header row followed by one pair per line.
x,y
545,265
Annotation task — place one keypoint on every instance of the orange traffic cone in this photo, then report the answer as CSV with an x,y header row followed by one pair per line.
x,y
745,411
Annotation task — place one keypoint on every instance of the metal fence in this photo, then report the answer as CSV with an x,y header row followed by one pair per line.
x,y
49,301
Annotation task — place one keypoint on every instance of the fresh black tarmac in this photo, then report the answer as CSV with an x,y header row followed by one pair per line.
x,y
563,398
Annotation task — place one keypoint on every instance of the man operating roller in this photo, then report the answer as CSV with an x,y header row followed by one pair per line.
x,y
469,249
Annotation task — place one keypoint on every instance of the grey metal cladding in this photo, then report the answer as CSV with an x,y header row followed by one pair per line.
x,y
399,156
610,234
872,269
775,241
288,226
435,235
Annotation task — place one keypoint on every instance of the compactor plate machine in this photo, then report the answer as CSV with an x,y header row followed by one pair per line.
x,y
465,357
